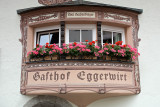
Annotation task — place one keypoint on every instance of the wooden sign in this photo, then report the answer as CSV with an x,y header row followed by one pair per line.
x,y
81,15
70,77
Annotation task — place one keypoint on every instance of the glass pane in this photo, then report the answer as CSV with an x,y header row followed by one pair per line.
x,y
87,35
117,37
107,37
43,39
54,38
74,35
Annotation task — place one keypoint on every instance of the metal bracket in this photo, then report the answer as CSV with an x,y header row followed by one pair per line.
x,y
102,89
62,89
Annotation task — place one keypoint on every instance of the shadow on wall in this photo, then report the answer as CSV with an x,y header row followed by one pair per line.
x,y
123,101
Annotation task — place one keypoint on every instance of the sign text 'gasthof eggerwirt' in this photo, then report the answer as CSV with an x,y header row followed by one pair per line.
x,y
80,77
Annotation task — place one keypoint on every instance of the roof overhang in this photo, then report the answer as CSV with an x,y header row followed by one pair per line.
x,y
80,3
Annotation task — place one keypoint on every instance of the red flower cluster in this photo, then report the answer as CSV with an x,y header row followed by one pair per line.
x,y
119,43
90,43
86,40
93,42
75,43
124,46
47,45
112,46
106,44
37,45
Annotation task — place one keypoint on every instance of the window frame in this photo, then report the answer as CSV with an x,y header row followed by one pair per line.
x,y
112,29
80,27
45,30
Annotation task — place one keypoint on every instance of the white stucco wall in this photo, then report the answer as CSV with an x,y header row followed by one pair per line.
x,y
10,54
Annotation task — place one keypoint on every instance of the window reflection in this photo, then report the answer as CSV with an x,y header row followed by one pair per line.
x,y
43,39
86,35
107,37
74,35
117,37
54,38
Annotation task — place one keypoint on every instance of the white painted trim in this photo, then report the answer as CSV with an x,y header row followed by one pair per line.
x,y
80,27
40,29
112,29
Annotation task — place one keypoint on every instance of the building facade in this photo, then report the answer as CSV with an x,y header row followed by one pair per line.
x,y
72,80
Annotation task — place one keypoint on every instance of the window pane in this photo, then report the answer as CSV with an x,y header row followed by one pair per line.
x,y
107,37
54,38
74,35
86,35
117,37
43,39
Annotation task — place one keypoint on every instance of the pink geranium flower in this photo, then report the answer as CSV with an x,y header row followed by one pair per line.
x,y
97,47
50,52
38,49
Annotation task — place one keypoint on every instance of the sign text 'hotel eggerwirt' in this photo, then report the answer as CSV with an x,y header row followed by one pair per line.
x,y
80,77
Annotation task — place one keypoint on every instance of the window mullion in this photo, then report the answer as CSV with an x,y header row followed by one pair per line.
x,y
80,35
112,37
49,38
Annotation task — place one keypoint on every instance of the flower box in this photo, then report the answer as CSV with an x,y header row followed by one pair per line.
x,y
86,51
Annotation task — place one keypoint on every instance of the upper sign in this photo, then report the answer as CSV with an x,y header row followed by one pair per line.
x,y
50,2
81,15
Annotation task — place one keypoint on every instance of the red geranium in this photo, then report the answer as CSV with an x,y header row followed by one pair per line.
x,y
37,45
106,44
112,46
86,40
75,43
90,43
46,46
124,46
119,43
93,42
51,46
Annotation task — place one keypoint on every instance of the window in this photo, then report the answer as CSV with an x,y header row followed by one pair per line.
x,y
52,37
50,34
111,37
80,33
112,34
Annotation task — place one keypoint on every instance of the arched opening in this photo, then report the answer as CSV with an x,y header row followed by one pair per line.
x,y
46,104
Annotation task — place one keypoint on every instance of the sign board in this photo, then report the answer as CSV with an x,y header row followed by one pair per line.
x,y
81,15
51,2
55,77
